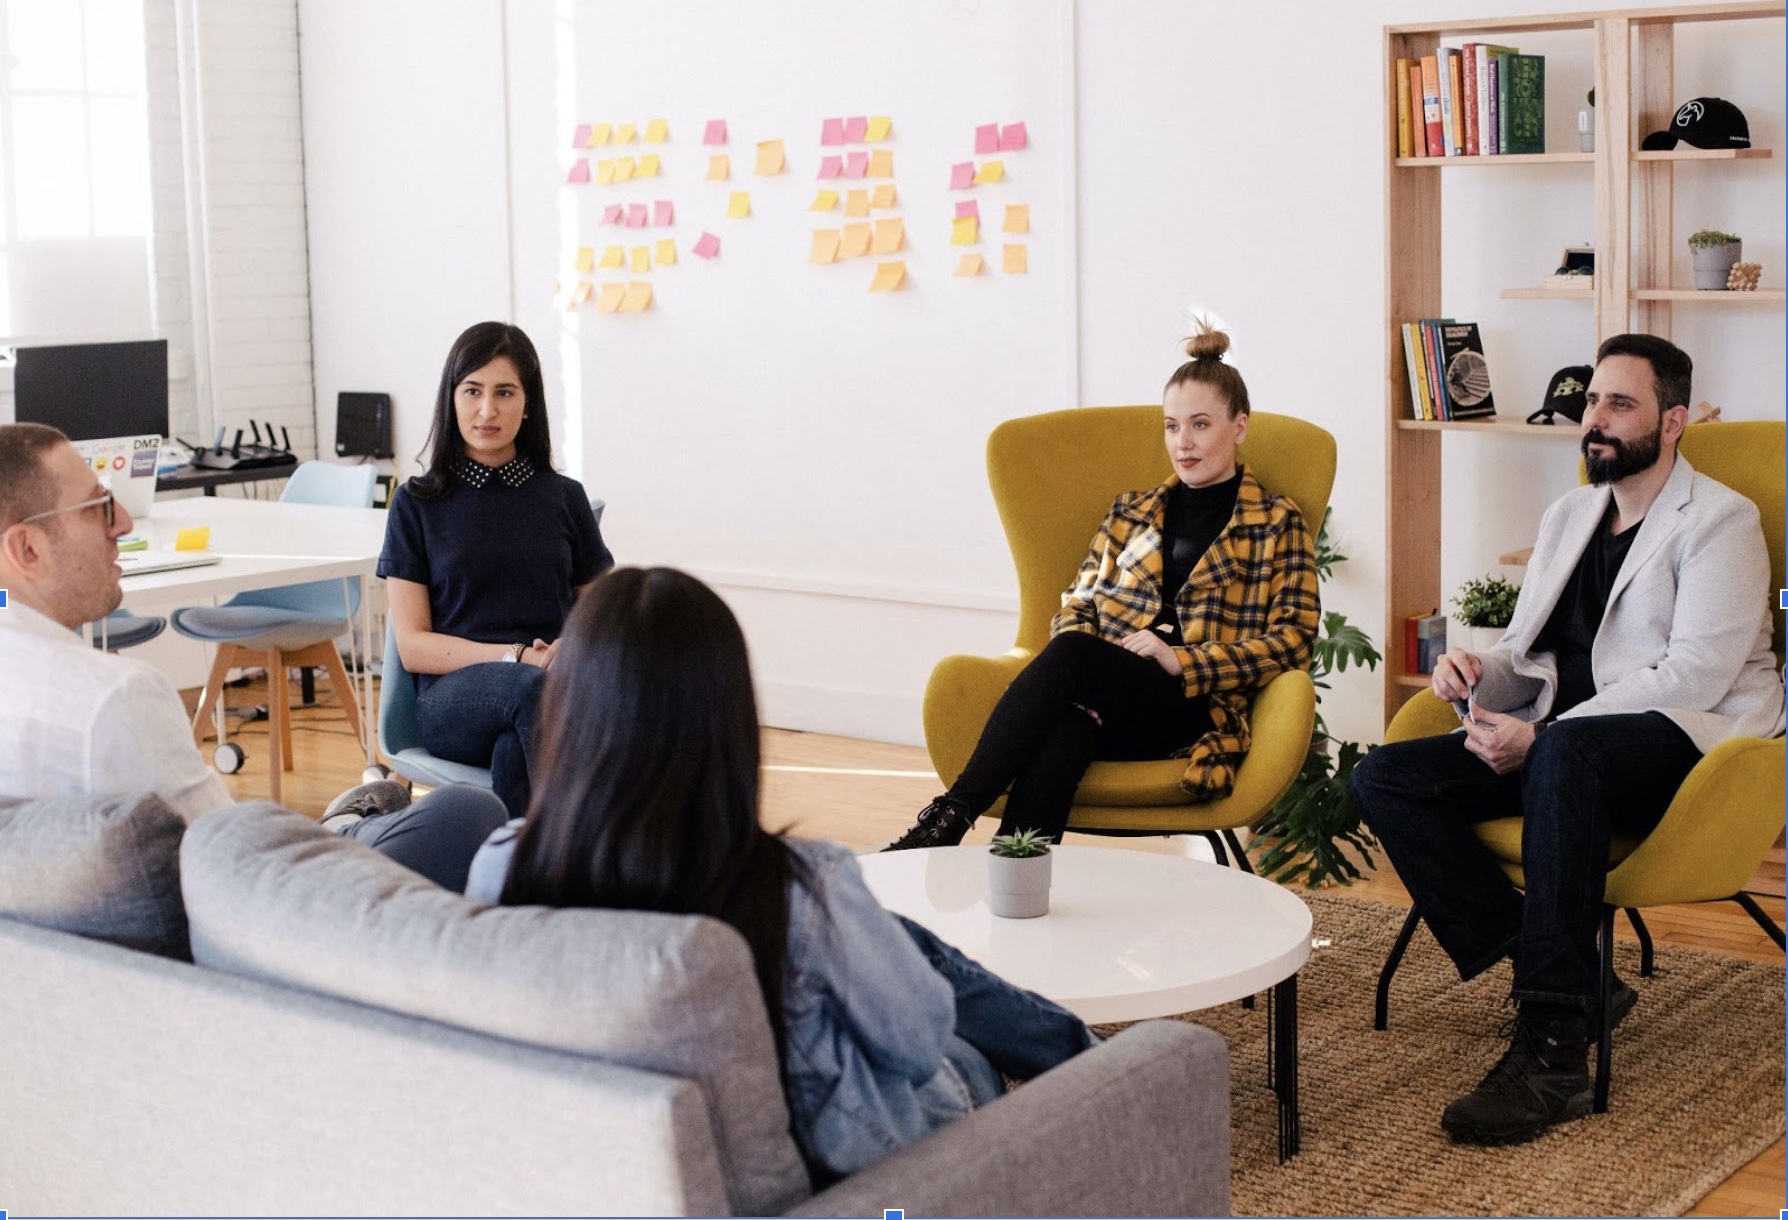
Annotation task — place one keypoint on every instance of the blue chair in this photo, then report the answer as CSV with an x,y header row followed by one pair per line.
x,y
400,740
295,625
121,629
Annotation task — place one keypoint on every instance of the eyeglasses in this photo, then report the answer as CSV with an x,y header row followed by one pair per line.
x,y
107,503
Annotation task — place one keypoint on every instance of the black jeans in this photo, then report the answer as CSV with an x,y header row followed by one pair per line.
x,y
1584,780
1040,739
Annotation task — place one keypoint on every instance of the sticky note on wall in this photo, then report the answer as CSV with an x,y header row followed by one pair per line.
x,y
832,133
856,203
608,300
825,247
636,216
880,127
605,172
581,137
664,213
890,236
831,167
586,260
738,205
613,256
706,246
637,297
648,166
1018,218
624,169
991,171
856,240
856,165
657,131
888,277
881,163
1014,138
580,171
970,264
964,231
641,262
883,196
856,128
962,175
720,168
626,133
987,139
666,253
715,132
1014,260
824,201
770,158
599,134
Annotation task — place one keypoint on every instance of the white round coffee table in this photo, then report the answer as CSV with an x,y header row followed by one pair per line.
x,y
1129,935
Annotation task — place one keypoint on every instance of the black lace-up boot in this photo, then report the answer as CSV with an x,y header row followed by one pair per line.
x,y
1542,1079
941,824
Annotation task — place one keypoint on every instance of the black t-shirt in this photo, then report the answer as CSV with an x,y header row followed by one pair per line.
x,y
501,561
1194,518
1570,632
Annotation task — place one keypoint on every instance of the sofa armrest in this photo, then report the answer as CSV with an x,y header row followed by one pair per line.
x,y
1136,1127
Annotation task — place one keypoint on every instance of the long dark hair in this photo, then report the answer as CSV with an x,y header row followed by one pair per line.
x,y
476,347
646,797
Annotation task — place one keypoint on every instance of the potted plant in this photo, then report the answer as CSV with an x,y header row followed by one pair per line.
x,y
1018,870
1486,606
1714,253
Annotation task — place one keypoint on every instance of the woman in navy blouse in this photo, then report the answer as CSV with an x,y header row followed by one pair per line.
x,y
484,555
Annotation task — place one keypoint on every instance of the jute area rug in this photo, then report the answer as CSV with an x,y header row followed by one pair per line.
x,y
1697,1086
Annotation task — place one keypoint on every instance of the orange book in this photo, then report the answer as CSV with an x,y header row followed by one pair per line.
x,y
1431,104
1456,90
1418,126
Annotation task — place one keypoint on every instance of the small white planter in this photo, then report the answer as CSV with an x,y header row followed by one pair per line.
x,y
1483,639
1018,888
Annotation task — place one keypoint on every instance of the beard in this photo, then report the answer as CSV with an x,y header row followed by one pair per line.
x,y
1628,458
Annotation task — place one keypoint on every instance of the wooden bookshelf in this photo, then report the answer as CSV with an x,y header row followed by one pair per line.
x,y
1513,426
1634,57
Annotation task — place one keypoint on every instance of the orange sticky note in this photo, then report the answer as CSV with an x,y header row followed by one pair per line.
x,y
598,135
856,203
586,260
825,201
890,236
637,297
963,231
626,133
623,168
642,259
1018,218
888,276
1014,260
825,247
738,205
770,159
579,295
193,538
608,300
720,168
648,166
883,196
881,163
970,264
605,172
657,131
667,252
880,125
990,171
856,240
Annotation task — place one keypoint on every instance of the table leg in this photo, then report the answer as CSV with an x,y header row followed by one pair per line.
x,y
1282,1063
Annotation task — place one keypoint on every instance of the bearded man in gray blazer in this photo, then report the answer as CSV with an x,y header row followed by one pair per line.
x,y
1640,641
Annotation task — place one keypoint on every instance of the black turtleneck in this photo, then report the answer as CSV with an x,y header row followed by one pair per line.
x,y
1195,516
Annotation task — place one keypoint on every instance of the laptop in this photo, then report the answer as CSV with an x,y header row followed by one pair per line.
x,y
126,465
138,563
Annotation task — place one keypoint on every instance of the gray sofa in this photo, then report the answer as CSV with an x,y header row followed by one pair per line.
x,y
253,1016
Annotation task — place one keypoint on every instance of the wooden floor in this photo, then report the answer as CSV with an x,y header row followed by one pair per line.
x,y
862,793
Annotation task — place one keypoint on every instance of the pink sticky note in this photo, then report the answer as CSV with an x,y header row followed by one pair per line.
x,y
580,171
968,208
856,165
581,137
664,213
832,132
1013,138
636,216
962,176
832,167
706,246
715,133
855,128
613,214
987,138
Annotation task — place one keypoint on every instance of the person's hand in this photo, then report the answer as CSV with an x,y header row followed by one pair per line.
x,y
552,650
1455,674
537,654
1502,741
1148,644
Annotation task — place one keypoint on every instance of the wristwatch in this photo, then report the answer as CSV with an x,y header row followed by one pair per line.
x,y
514,652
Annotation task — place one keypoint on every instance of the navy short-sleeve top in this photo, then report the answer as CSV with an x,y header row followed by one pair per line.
x,y
501,551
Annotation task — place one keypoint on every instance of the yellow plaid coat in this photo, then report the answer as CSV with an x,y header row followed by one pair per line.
x,y
1248,612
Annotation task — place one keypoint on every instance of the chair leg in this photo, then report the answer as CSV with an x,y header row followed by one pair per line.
x,y
1761,916
1216,841
220,669
1604,1043
1241,857
278,714
1646,955
1382,1005
323,656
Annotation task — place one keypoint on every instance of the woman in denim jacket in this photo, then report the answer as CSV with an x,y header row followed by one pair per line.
x,y
647,799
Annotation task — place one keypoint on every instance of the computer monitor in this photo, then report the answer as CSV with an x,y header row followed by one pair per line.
x,y
93,391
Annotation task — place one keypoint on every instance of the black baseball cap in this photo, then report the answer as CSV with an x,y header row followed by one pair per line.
x,y
1703,122
1565,395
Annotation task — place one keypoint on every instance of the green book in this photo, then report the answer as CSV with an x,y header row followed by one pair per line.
x,y
1526,109
1500,74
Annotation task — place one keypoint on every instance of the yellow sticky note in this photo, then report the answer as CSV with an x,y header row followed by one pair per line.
x,y
969,265
883,196
990,171
888,276
963,231
666,253
881,163
637,297
738,205
599,133
626,133
856,240
1015,261
879,127
856,203
641,261
613,256
193,538
719,168
648,166
623,168
1018,218
609,299
657,131
825,201
586,260
605,172
890,236
770,159
825,247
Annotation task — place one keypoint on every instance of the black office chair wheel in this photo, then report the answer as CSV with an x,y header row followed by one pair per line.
x,y
228,758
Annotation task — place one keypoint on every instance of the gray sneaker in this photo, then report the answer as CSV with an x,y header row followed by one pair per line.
x,y
367,800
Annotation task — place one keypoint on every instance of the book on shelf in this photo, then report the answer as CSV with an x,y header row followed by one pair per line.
x,y
1468,84
1485,53
1401,84
1418,124
1465,372
1424,640
1429,329
1452,121
1431,124
1526,107
1493,119
1419,406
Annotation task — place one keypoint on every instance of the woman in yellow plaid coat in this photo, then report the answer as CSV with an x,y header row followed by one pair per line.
x,y
1192,597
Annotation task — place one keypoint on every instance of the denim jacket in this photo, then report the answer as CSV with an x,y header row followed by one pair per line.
x,y
865,1017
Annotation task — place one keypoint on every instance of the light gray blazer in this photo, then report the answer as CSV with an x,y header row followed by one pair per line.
x,y
1687,627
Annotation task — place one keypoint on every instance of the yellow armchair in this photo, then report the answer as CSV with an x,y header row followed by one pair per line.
x,y
1054,477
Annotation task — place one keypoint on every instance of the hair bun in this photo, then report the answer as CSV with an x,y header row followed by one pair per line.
x,y
1207,343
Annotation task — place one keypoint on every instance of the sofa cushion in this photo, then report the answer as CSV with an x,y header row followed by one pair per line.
x,y
106,867
271,895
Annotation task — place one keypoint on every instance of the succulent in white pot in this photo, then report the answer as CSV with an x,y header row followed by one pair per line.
x,y
1018,873
1714,253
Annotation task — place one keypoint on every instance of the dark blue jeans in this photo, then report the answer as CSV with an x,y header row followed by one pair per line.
x,y
483,715
1584,780
438,835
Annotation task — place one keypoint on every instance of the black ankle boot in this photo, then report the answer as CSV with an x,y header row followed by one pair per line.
x,y
1542,1079
941,824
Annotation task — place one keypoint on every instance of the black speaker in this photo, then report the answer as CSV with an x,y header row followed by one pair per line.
x,y
363,425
